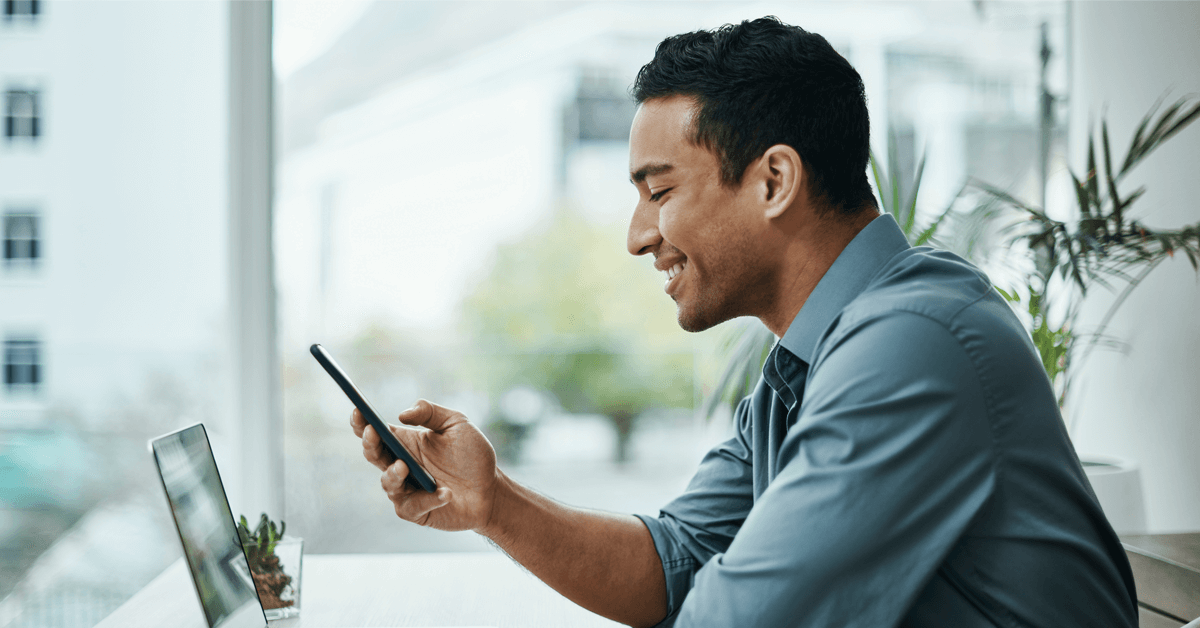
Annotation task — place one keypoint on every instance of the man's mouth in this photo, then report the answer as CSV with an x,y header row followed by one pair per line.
x,y
674,271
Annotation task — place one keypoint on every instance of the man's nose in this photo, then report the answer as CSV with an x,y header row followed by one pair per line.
x,y
643,229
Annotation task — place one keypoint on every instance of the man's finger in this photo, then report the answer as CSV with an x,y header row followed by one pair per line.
x,y
418,504
357,422
373,449
430,415
393,480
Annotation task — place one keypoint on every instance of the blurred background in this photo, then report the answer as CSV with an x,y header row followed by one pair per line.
x,y
450,196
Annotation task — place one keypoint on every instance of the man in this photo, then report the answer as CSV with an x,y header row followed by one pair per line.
x,y
901,462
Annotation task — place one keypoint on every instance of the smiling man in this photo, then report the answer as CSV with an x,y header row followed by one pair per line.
x,y
901,462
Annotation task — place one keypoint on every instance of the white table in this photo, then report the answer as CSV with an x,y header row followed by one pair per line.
x,y
365,590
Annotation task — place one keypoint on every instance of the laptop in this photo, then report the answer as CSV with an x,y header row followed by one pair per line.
x,y
207,530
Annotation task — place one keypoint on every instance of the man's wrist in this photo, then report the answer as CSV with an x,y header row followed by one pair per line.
x,y
504,497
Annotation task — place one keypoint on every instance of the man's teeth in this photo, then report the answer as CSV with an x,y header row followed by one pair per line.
x,y
675,270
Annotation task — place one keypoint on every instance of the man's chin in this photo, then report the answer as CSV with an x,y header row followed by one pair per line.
x,y
691,320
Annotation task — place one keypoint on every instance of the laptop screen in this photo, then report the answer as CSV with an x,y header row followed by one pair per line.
x,y
207,530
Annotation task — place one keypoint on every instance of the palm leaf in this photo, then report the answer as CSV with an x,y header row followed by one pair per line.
x,y
910,203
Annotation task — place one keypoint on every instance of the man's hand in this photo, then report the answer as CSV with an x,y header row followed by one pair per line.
x,y
453,451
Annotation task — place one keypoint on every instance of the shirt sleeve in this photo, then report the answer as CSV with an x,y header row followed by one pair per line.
x,y
703,521
887,464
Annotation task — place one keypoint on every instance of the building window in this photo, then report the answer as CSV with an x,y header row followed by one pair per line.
x,y
22,365
21,9
22,244
602,110
21,114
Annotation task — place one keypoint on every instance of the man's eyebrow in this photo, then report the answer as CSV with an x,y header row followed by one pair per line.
x,y
648,170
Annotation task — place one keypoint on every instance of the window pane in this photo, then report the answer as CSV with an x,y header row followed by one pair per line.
x,y
121,335
451,203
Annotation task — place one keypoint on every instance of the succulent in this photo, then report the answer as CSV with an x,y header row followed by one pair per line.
x,y
260,544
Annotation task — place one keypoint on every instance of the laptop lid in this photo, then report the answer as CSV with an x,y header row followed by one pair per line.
x,y
207,529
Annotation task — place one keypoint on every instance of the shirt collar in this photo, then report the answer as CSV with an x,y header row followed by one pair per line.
x,y
878,242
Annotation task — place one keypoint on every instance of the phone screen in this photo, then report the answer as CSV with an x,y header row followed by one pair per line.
x,y
417,476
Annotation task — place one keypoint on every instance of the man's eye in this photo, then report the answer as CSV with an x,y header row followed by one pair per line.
x,y
657,196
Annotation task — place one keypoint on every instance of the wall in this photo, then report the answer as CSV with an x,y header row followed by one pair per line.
x,y
1145,404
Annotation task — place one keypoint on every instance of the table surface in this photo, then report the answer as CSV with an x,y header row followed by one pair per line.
x,y
384,590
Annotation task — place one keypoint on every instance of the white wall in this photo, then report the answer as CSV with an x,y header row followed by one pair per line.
x,y
1145,405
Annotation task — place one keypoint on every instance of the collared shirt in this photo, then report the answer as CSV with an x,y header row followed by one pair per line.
x,y
902,462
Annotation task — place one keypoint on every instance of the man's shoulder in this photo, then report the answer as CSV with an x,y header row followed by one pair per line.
x,y
936,284
924,285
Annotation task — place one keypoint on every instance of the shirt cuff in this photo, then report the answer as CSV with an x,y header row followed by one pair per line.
x,y
679,567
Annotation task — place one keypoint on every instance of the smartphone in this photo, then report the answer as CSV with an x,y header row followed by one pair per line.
x,y
417,476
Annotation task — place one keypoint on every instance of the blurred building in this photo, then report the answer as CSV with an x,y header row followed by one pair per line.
x,y
112,192
113,164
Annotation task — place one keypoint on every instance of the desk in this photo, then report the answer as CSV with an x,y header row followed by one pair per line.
x,y
353,590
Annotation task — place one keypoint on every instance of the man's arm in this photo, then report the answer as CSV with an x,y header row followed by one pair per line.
x,y
606,563
603,562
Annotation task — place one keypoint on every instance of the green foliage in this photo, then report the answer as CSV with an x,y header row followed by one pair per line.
x,y
900,199
1053,342
566,310
745,349
1101,244
259,545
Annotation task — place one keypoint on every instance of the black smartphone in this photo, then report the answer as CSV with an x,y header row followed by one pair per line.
x,y
417,476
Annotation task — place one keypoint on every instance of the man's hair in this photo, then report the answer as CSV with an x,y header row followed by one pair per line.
x,y
762,83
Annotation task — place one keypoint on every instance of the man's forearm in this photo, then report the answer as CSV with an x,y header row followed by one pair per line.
x,y
604,562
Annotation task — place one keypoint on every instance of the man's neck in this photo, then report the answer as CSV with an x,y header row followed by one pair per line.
x,y
811,250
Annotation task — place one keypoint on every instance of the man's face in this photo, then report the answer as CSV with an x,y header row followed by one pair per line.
x,y
702,234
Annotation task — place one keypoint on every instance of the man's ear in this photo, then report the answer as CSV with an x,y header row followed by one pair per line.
x,y
781,179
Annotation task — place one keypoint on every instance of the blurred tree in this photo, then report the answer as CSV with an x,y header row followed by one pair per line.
x,y
565,309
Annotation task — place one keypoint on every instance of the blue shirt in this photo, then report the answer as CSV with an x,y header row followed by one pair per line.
x,y
902,462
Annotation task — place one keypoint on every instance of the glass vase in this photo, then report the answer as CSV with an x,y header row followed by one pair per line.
x,y
278,581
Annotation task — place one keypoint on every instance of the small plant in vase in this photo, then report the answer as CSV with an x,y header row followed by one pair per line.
x,y
277,589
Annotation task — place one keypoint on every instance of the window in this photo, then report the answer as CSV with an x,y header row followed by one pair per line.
x,y
22,365
21,9
602,109
21,114
83,388
21,241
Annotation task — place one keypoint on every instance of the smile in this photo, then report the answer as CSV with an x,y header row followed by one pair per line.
x,y
673,272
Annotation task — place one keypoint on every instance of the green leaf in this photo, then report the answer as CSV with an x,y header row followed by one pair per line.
x,y
881,182
1138,138
893,167
1182,123
1081,194
1093,184
1118,207
910,204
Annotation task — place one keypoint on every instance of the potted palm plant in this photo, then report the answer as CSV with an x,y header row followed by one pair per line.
x,y
1101,244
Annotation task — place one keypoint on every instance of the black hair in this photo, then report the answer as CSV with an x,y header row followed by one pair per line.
x,y
762,83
